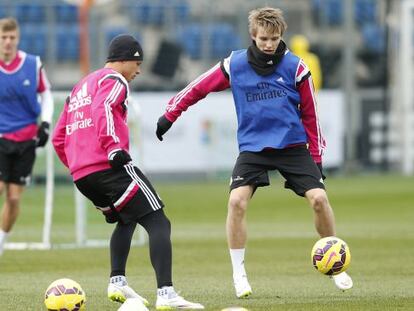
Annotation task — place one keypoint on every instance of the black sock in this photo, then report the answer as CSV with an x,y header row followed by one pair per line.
x,y
159,231
119,247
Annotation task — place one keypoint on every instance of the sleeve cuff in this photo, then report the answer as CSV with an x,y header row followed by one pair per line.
x,y
170,117
112,153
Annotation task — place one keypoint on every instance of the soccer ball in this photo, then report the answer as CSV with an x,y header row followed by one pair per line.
x,y
65,295
330,255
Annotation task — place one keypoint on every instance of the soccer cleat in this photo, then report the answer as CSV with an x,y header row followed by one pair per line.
x,y
122,293
343,281
242,286
133,304
168,299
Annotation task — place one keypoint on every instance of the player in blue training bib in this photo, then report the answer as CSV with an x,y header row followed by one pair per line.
x,y
25,99
278,129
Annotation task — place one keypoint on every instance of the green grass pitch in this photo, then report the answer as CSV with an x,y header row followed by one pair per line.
x,y
375,215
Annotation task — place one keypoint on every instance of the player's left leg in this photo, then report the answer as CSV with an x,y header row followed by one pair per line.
x,y
3,238
323,214
325,226
5,165
11,206
305,179
16,168
3,235
10,211
158,228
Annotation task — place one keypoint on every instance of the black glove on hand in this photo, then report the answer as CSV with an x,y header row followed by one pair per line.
x,y
42,134
321,170
118,159
163,125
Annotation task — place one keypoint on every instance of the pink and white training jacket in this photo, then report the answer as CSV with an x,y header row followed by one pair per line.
x,y
93,123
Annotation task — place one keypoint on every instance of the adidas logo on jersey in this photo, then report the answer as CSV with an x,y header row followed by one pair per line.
x,y
82,98
280,79
26,82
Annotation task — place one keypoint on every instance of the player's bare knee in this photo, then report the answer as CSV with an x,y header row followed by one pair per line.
x,y
13,202
319,202
237,204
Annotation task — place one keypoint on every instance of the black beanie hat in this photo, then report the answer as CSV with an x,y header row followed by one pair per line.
x,y
124,47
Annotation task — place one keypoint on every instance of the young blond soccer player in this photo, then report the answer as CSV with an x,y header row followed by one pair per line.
x,y
278,129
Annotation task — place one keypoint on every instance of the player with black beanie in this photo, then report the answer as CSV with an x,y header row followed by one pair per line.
x,y
92,139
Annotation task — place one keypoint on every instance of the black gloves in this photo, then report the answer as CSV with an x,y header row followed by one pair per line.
x,y
321,170
118,159
42,134
163,125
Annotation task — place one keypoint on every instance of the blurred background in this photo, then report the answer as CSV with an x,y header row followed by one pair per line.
x,y
364,49
366,108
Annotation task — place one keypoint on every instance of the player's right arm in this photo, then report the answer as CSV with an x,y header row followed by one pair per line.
x,y
59,135
214,80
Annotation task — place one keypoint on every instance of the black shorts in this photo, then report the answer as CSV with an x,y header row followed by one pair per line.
x,y
16,161
122,195
294,164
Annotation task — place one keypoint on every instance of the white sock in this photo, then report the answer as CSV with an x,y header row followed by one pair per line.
x,y
3,238
119,280
166,291
237,261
